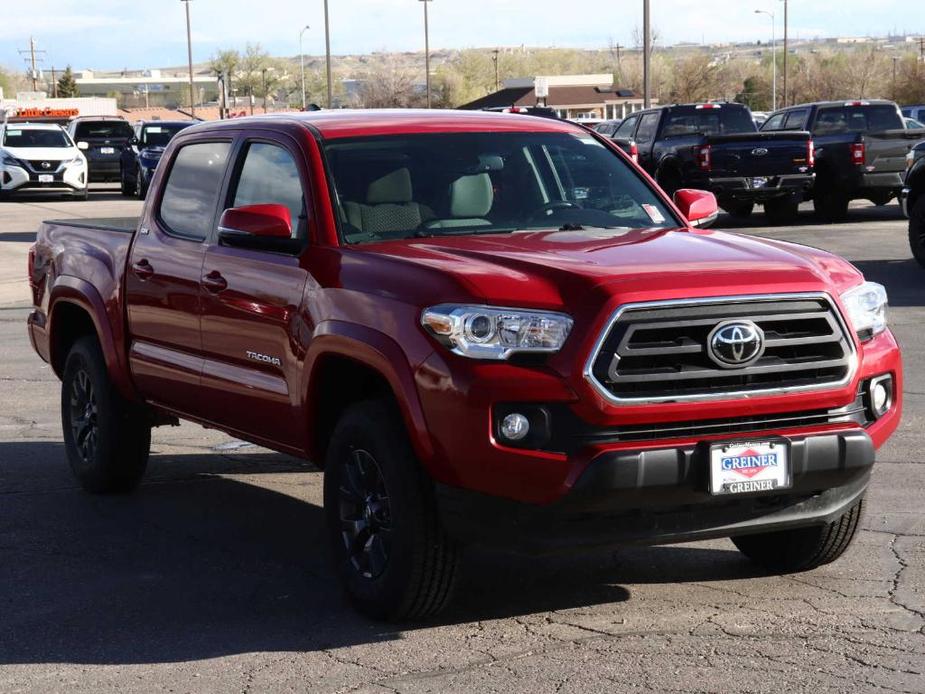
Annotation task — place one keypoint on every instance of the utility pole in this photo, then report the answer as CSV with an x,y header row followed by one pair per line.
x,y
646,56
302,62
427,50
327,55
495,58
32,60
189,56
786,52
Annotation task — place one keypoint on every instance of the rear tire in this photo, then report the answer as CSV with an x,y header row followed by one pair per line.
x,y
670,181
782,211
127,187
741,210
881,199
917,230
106,438
391,554
831,206
802,549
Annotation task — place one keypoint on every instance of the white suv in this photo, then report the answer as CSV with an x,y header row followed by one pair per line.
x,y
40,158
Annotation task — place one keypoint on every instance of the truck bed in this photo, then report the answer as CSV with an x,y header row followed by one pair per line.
x,y
125,225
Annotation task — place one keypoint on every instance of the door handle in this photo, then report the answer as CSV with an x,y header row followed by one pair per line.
x,y
143,269
214,282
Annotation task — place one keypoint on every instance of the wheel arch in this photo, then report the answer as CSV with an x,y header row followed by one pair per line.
x,y
348,363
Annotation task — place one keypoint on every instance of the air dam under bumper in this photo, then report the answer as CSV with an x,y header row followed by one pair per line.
x,y
661,496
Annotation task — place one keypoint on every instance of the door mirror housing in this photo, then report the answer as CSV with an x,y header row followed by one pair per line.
x,y
265,227
699,207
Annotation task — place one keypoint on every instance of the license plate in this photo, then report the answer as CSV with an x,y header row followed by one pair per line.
x,y
46,178
759,182
741,467
107,150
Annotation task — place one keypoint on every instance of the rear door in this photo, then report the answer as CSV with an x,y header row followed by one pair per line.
x,y
251,303
163,278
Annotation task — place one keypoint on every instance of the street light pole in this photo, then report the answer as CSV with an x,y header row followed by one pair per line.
x,y
786,51
427,50
895,60
646,56
773,59
302,62
327,54
189,55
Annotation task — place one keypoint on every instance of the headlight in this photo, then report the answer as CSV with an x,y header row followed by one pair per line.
x,y
866,306
75,160
485,332
9,160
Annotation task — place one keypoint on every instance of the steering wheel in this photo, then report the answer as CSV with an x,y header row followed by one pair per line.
x,y
554,205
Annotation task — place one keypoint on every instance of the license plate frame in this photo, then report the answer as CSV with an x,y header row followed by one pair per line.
x,y
46,178
750,466
107,150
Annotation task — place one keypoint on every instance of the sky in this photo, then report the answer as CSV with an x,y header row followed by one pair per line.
x,y
115,34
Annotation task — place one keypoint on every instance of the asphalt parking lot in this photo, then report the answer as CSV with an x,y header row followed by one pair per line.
x,y
214,575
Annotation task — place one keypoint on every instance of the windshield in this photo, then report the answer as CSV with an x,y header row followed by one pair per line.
x,y
419,185
159,135
35,138
720,120
110,129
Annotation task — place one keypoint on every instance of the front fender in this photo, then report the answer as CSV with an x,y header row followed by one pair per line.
x,y
72,290
378,352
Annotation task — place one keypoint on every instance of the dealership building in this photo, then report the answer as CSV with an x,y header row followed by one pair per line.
x,y
148,88
571,96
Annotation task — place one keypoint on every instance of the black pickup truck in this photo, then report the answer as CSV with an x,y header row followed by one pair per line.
x,y
717,147
861,150
912,200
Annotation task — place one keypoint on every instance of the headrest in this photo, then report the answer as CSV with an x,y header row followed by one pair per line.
x,y
393,187
471,196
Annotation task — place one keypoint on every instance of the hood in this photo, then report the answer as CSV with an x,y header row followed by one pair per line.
x,y
151,152
556,269
43,153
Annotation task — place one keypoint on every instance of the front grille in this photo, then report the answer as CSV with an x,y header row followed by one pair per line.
x,y
658,352
36,165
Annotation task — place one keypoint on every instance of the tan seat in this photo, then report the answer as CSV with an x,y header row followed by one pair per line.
x,y
389,206
471,198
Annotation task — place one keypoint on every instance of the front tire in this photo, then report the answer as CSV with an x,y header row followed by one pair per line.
x,y
802,549
106,438
917,230
127,187
391,554
141,188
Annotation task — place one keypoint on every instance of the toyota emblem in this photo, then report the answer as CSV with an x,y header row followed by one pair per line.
x,y
735,344
759,151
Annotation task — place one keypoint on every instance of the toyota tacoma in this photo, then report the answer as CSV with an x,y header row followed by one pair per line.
x,y
485,329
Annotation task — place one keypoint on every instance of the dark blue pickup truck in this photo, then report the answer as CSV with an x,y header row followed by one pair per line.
x,y
717,147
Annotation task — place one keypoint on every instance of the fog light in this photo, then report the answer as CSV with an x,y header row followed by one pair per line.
x,y
880,393
515,427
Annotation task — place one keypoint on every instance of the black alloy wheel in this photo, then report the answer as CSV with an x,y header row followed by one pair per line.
x,y
365,515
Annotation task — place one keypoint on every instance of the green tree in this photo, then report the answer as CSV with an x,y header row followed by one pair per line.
x,y
67,85
225,62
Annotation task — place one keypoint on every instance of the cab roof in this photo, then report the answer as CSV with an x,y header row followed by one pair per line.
x,y
357,123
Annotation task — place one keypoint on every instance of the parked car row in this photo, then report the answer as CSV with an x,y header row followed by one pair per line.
x,y
828,152
44,158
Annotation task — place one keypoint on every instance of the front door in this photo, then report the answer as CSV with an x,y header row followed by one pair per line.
x,y
163,280
251,308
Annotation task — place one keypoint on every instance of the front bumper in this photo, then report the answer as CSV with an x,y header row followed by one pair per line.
x,y
14,179
661,495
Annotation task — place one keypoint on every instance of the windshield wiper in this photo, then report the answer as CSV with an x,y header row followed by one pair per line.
x,y
431,233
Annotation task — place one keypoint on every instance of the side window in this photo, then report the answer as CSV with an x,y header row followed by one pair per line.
x,y
647,128
830,121
270,175
775,122
626,127
192,188
796,119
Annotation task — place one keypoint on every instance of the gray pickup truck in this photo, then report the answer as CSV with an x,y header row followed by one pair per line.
x,y
861,149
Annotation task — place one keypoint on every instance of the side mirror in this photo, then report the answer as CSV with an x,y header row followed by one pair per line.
x,y
265,221
699,207
134,141
83,145
265,227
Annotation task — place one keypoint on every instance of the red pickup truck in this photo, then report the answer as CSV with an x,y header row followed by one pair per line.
x,y
486,328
